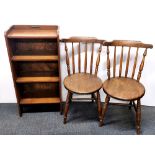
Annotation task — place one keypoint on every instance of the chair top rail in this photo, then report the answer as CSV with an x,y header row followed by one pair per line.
x,y
82,39
128,43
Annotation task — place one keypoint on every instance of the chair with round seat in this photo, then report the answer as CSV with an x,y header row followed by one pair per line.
x,y
125,87
83,81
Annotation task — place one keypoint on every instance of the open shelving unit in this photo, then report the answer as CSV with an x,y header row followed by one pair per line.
x,y
34,59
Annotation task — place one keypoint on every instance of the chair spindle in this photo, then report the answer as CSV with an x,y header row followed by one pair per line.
x,y
114,63
121,60
92,56
135,63
79,57
73,61
85,63
127,62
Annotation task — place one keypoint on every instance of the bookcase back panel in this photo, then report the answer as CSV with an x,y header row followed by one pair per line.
x,y
39,90
34,69
34,46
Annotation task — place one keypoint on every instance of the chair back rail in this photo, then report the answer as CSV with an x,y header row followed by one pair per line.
x,y
130,45
82,41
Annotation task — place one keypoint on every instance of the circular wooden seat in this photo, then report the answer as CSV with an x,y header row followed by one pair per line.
x,y
82,83
123,88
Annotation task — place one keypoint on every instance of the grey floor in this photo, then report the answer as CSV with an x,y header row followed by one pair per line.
x,y
82,120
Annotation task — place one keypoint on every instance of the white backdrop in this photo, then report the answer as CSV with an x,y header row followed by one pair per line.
x,y
106,19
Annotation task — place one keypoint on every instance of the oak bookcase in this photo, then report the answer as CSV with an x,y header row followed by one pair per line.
x,y
34,59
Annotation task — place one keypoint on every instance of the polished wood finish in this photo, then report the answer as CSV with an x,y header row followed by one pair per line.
x,y
33,31
98,59
68,99
114,63
141,65
75,39
34,59
99,107
125,88
108,63
37,79
79,58
134,105
138,117
121,60
40,100
135,63
127,62
85,82
36,68
92,57
67,59
104,109
82,83
85,62
73,61
128,43
130,104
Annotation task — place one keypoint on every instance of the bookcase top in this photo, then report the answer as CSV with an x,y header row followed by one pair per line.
x,y
32,31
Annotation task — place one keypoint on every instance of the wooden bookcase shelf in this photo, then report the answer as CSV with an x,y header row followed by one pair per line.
x,y
34,59
37,79
39,100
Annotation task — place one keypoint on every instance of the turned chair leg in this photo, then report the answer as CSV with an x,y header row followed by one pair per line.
x,y
92,96
67,107
20,110
104,109
61,108
99,106
130,105
138,117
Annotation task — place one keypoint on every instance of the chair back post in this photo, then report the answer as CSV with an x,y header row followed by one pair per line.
x,y
98,59
67,59
141,65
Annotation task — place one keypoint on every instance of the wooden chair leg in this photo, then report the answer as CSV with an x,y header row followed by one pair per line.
x,y
130,105
92,96
138,117
99,106
104,109
67,107
61,108
20,110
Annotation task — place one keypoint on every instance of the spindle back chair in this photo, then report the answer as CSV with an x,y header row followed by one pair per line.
x,y
84,80
127,86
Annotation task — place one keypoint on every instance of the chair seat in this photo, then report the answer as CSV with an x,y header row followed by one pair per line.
x,y
82,83
123,88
